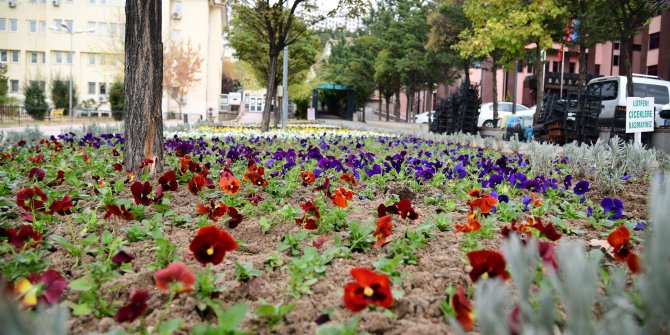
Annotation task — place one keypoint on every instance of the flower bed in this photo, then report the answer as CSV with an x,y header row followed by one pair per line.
x,y
309,230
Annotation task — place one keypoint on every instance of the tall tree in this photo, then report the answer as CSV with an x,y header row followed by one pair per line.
x,y
143,86
276,28
60,93
181,70
629,16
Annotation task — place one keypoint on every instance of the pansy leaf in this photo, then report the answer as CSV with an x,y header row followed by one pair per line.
x,y
170,326
81,284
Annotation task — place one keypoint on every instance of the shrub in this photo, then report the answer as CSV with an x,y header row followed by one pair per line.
x,y
116,100
60,89
35,103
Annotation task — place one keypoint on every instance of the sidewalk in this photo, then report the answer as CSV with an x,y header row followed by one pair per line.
x,y
57,129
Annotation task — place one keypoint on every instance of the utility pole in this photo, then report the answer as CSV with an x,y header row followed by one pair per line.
x,y
284,99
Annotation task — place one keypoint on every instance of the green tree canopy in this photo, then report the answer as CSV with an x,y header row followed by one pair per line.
x,y
35,102
60,93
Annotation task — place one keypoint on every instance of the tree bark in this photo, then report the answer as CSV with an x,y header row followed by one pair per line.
x,y
581,81
466,72
396,109
380,104
388,107
626,54
143,86
429,102
270,92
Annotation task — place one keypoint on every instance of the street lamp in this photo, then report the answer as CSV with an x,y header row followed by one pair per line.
x,y
71,54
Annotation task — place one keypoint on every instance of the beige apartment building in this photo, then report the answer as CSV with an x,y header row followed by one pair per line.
x,y
46,39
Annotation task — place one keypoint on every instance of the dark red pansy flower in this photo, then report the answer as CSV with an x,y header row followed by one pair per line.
x,y
319,241
169,181
307,178
370,288
325,187
184,162
61,207
254,198
119,211
349,179
158,194
507,231
146,162
118,167
197,183
37,159
487,264
211,244
384,230
60,177
25,238
115,153
135,307
235,218
256,178
547,253
36,173
214,212
463,309
406,210
21,143
310,208
141,193
122,257
619,239
31,198
175,274
52,285
307,223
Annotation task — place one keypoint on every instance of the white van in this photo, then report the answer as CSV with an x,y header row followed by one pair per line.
x,y
614,93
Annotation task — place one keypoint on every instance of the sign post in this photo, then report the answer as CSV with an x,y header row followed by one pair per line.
x,y
639,117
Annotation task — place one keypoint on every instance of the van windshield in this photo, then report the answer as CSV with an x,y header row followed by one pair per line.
x,y
659,93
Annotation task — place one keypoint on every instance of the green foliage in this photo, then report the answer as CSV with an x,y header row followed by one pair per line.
x,y
60,94
228,322
246,271
4,85
117,100
35,102
274,313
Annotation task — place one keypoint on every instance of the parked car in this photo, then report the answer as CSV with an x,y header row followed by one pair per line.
x,y
614,94
423,117
504,108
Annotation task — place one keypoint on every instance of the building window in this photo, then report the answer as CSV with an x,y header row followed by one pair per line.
x,y
103,88
176,9
103,2
91,88
58,25
37,57
91,59
113,28
59,57
102,28
3,56
637,47
597,69
3,24
91,2
13,25
70,25
652,70
554,66
653,40
572,67
14,86
43,27
616,46
33,58
519,68
92,26
15,56
69,57
32,26
615,60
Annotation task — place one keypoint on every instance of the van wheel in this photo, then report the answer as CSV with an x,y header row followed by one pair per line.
x,y
488,124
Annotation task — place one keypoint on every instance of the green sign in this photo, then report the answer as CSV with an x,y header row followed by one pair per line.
x,y
639,115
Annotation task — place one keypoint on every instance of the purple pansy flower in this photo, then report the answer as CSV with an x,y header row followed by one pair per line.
x,y
581,187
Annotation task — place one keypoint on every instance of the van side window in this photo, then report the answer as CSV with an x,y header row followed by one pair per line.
x,y
610,89
594,88
659,93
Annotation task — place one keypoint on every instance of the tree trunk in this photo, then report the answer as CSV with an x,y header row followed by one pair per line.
x,y
466,72
539,95
270,92
396,109
380,104
388,107
143,86
581,81
410,105
494,88
626,53
276,113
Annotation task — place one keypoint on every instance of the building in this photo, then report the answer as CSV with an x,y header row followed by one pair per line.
x,y
338,21
36,45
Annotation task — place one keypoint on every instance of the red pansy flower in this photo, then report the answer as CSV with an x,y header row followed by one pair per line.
x,y
536,202
37,159
370,288
487,264
404,206
384,230
484,204
256,178
463,309
122,257
115,153
230,185
169,181
340,198
146,162
235,218
175,274
307,178
213,211
118,167
349,179
547,253
383,210
318,243
619,239
308,223
507,231
549,231
310,208
31,199
325,187
254,199
141,193
472,225
52,286
135,307
120,212
36,173
25,238
211,244
197,183
61,207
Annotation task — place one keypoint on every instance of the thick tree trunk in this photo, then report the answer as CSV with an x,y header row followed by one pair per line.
x,y
581,81
626,54
494,88
410,105
396,109
466,72
388,107
429,102
539,89
380,104
270,92
143,86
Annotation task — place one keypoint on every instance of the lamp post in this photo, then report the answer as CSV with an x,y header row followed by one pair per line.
x,y
71,55
284,99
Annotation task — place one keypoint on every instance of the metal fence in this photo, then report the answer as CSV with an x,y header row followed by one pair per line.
x,y
18,115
